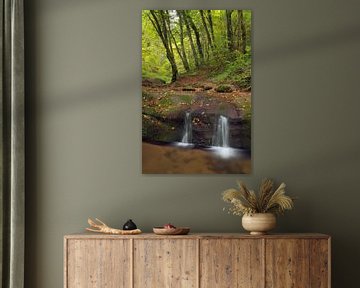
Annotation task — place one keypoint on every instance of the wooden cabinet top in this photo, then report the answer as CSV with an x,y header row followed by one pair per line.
x,y
199,236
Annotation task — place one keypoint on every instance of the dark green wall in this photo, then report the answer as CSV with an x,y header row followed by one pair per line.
x,y
83,126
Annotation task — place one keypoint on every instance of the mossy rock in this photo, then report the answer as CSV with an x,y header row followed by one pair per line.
x,y
188,88
157,130
224,89
152,82
206,88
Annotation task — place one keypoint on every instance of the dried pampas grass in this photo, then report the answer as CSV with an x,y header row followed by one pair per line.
x,y
245,201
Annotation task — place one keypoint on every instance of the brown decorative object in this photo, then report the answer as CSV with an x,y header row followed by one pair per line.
x,y
197,260
171,231
101,227
259,223
258,209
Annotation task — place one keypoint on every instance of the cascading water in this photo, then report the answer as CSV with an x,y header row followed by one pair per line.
x,y
221,132
187,135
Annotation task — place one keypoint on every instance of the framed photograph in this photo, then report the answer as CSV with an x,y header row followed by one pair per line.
x,y
196,91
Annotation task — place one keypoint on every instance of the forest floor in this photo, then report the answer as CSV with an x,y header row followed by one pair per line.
x,y
196,84
191,92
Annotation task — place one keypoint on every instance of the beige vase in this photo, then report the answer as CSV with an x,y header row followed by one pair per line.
x,y
259,223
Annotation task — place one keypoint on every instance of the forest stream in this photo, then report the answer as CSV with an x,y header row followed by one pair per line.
x,y
196,91
180,123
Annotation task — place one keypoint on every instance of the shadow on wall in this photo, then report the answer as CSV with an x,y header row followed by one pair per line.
x,y
66,4
119,89
100,93
343,37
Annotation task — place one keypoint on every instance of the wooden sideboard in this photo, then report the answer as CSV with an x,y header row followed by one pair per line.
x,y
197,260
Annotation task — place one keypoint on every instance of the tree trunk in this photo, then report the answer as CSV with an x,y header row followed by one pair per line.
x,y
197,37
183,60
159,22
211,26
238,30
184,57
206,28
242,31
229,30
166,27
196,60
171,57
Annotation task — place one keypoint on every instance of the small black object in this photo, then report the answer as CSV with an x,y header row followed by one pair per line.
x,y
129,225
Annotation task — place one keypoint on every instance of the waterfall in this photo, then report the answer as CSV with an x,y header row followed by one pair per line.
x,y
187,135
221,132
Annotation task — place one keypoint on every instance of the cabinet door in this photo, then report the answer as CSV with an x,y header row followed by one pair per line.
x,y
287,263
320,263
231,263
98,263
165,263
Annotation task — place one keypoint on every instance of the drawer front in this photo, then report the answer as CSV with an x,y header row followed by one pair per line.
x,y
297,263
98,263
231,263
165,263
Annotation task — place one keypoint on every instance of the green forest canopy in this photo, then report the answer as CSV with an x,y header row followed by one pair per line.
x,y
184,41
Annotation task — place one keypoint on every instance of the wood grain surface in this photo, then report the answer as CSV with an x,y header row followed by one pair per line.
x,y
231,263
319,263
165,263
98,264
197,260
89,235
287,263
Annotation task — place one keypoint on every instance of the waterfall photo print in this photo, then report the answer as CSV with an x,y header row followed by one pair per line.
x,y
196,91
